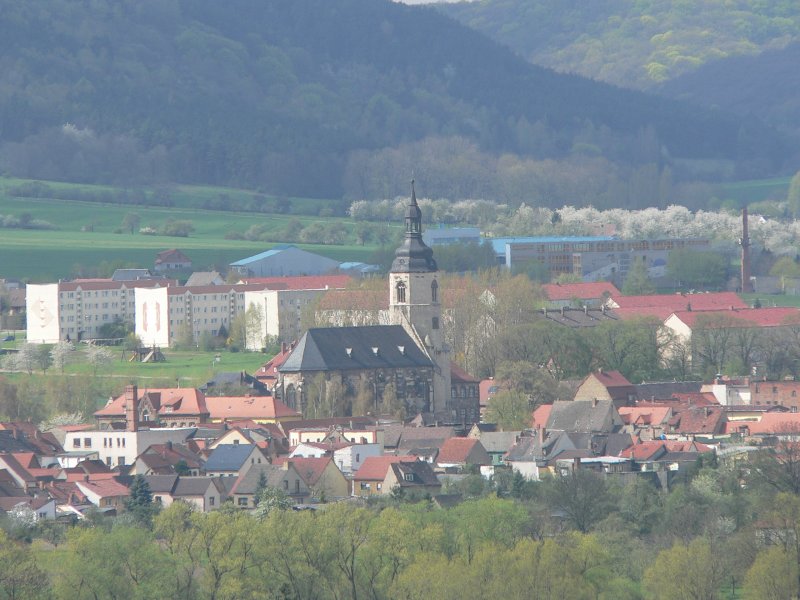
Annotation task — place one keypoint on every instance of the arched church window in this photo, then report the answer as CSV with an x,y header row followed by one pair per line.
x,y
434,291
291,397
400,290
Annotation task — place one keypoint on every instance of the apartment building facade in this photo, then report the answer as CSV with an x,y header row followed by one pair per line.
x,y
76,310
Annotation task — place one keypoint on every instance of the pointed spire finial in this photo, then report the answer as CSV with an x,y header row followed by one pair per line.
x,y
413,192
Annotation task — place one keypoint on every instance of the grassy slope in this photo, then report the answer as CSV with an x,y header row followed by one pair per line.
x,y
40,255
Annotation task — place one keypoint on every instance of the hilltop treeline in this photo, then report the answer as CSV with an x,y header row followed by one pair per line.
x,y
635,44
301,97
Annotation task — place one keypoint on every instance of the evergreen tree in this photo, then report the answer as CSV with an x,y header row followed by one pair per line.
x,y
140,502
638,283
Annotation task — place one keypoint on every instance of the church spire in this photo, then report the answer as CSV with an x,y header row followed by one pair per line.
x,y
413,255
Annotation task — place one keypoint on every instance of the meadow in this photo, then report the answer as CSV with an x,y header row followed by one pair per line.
x,y
85,234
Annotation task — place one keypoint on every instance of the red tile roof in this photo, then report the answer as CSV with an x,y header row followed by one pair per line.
x,y
768,423
746,317
309,469
580,291
651,450
108,488
541,415
167,401
456,450
248,407
303,282
611,379
644,415
459,375
374,467
711,301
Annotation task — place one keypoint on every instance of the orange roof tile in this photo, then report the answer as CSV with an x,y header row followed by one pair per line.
x,y
374,467
456,450
248,407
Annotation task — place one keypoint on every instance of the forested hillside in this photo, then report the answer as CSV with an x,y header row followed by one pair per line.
x,y
764,85
324,98
632,43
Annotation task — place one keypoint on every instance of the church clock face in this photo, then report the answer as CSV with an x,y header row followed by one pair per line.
x,y
402,261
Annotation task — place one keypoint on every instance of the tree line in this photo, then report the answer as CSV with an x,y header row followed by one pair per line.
x,y
721,531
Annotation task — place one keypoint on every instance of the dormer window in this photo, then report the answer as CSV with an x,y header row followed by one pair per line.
x,y
400,292
408,477
375,350
349,352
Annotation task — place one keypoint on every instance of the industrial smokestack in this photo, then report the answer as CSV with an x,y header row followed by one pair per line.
x,y
745,243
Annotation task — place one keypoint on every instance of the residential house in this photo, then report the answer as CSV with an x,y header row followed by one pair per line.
x,y
646,422
106,493
284,478
204,278
348,457
498,443
172,260
584,416
369,479
697,421
459,452
526,456
166,407
324,479
167,459
204,493
415,477
233,460
261,409
607,385
42,507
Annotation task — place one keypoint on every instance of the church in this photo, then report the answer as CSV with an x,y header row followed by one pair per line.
x,y
409,353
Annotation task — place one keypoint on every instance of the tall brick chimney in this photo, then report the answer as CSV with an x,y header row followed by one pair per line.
x,y
744,242
131,408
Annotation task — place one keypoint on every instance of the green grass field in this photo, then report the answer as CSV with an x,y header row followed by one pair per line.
x,y
772,300
85,236
181,368
747,192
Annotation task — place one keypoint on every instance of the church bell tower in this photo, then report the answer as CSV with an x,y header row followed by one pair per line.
x,y
415,301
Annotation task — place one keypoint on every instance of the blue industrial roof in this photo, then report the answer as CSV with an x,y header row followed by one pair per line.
x,y
271,252
499,244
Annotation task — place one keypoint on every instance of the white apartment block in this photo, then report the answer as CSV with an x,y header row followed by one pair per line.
x,y
75,310
281,311
161,314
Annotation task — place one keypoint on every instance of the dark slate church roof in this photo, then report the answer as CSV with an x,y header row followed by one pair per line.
x,y
345,348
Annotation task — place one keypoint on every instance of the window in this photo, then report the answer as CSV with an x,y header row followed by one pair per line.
x,y
400,292
121,461
87,442
364,485
108,461
286,484
434,291
211,500
408,477
157,499
76,443
435,322
296,486
241,501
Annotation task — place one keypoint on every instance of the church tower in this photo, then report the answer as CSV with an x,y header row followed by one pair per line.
x,y
415,302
